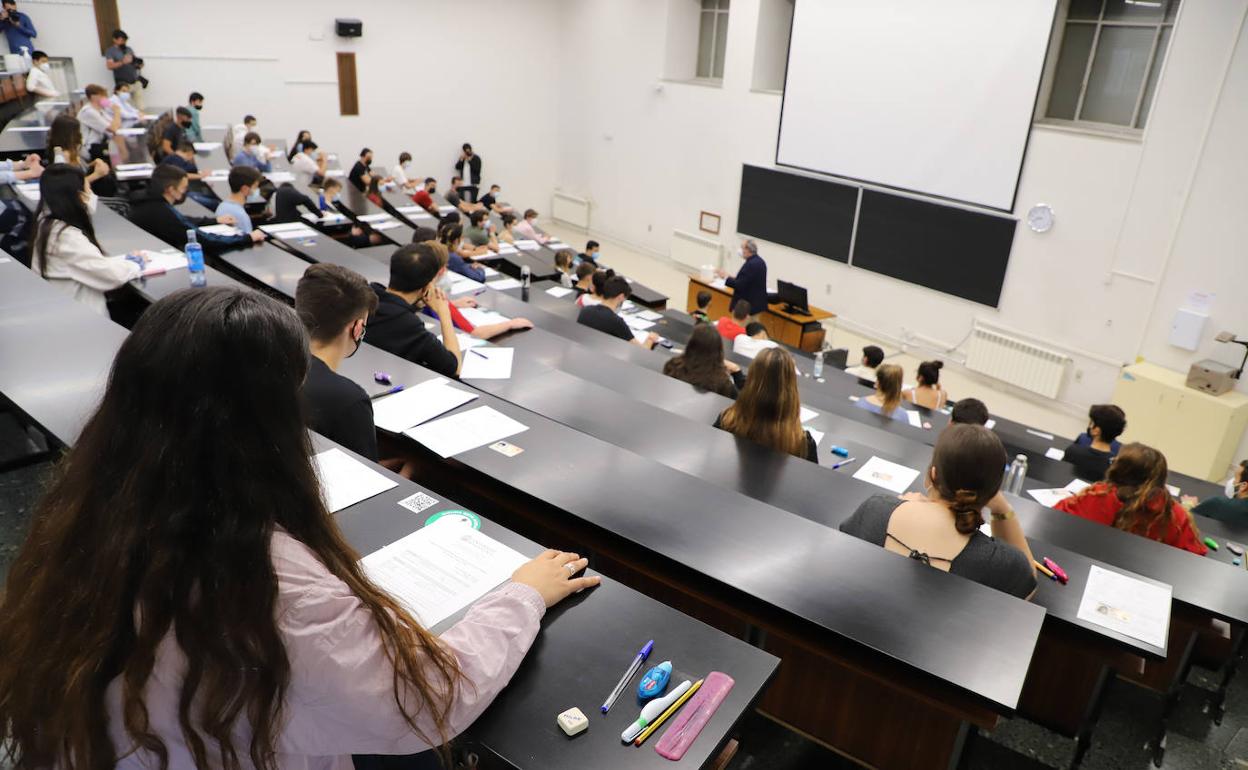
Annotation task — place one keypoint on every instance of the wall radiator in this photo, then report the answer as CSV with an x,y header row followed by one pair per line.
x,y
570,210
1016,361
693,250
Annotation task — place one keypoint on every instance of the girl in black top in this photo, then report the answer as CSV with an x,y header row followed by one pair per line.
x,y
703,365
941,528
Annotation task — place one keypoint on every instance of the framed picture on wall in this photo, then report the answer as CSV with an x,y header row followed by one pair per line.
x,y
709,223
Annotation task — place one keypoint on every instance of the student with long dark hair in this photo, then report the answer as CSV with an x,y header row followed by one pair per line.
x,y
297,146
927,391
460,261
66,251
769,408
941,528
65,135
702,364
223,620
1133,497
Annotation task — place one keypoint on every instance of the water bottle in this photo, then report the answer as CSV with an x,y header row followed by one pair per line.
x,y
195,260
526,277
1015,474
565,280
58,155
27,61
819,364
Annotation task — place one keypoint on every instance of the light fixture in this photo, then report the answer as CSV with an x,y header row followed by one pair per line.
x,y
1230,337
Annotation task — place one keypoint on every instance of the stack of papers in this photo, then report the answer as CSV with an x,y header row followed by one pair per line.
x,y
418,404
346,481
891,476
464,431
206,146
440,569
490,272
527,245
221,229
487,363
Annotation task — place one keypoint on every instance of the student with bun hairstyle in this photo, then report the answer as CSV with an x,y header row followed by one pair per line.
x,y
597,285
886,399
240,622
941,528
702,364
1133,497
768,410
927,393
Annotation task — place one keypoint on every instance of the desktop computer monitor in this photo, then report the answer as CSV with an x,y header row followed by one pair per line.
x,y
793,297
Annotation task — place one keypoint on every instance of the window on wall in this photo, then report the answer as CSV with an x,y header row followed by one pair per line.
x,y
771,45
712,39
1106,61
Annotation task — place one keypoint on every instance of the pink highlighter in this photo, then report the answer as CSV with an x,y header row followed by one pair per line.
x,y
1056,570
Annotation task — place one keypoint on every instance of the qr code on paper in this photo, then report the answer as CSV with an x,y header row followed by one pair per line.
x,y
418,502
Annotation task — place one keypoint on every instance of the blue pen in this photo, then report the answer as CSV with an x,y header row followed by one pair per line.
x,y
386,392
628,675
844,462
476,352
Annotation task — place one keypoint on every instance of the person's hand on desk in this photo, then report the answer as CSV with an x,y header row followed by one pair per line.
x,y
257,236
520,323
721,273
651,340
226,219
551,575
32,160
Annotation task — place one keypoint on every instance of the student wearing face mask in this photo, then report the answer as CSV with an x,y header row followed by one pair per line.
x,y
750,282
468,168
155,213
423,197
38,81
482,332
1092,451
195,103
451,236
399,173
1233,508
309,164
243,181
175,133
297,146
253,154
395,326
99,121
327,202
334,304
65,250
121,103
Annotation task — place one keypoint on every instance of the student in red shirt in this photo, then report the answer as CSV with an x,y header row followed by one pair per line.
x,y
424,197
729,328
1133,497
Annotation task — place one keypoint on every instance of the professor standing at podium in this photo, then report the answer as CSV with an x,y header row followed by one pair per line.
x,y
750,283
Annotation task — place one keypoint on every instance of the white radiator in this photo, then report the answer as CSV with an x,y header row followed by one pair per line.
x,y
570,210
694,250
1016,361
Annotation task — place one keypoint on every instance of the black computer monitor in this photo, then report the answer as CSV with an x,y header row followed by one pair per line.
x,y
793,297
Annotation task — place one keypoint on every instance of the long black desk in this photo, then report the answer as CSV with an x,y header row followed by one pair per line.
x,y
633,505
584,641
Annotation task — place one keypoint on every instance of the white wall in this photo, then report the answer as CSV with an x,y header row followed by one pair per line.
x,y
431,75
1139,222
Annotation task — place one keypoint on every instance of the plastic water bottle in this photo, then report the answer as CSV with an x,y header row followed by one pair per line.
x,y
819,364
58,155
1015,474
565,280
27,62
195,260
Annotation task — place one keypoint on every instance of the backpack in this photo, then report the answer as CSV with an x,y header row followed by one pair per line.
x,y
156,132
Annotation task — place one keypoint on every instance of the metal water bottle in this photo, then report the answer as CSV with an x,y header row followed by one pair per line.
x,y
526,278
1015,474
819,364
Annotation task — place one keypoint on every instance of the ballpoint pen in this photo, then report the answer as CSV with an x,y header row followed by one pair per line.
x,y
628,675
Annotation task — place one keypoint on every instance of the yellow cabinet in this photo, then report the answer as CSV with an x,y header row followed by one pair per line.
x,y
1197,432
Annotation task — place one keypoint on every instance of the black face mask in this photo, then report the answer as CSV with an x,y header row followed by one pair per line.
x,y
358,343
181,199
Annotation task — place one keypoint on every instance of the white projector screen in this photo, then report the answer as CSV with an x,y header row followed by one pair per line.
x,y
931,97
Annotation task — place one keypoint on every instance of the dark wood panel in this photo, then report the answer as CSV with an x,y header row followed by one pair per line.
x,y
348,89
107,19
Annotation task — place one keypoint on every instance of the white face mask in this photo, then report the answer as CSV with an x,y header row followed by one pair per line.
x,y
124,96
1231,485
405,164
46,67
91,201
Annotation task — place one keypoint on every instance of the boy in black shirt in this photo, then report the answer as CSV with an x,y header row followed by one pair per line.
x,y
333,303
605,317
396,326
1092,452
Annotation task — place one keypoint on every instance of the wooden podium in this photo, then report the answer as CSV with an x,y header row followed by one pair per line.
x,y
804,332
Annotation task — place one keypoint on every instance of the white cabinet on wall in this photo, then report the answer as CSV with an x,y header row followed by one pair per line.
x,y
1197,432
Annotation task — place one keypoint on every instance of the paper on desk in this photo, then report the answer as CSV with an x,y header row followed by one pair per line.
x,y
505,283
133,166
649,315
27,129
990,424
808,414
487,364
389,224
163,261
30,191
1041,434
1049,498
138,173
641,335
1131,607
637,323
817,435
329,172
556,245
1076,486
506,248
220,229
283,227
206,146
627,306
462,284
893,477
417,404
441,568
1173,489
278,177
131,131
1053,453
524,245
346,481
914,418
466,430
480,316
294,233
719,283
370,218
559,291
490,272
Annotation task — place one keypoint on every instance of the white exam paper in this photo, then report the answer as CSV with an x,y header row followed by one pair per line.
x,y
990,424
1041,434
558,291
637,323
478,316
817,435
525,245
206,146
220,229
487,364
1049,498
506,283
649,315
808,414
417,404
1131,607
1076,486
893,477
466,430
439,569
914,418
1053,453
346,481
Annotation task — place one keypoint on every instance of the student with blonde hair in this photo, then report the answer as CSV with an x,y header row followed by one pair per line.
x,y
886,399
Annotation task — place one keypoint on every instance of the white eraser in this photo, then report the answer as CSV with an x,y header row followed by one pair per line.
x,y
572,721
